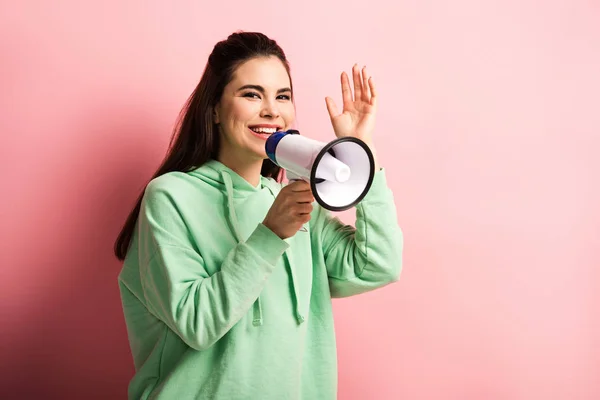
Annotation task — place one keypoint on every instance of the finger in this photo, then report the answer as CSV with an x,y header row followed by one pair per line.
x,y
346,91
300,186
305,198
373,92
331,107
357,82
365,84
304,209
304,218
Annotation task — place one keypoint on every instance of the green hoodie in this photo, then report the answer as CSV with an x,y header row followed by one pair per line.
x,y
219,307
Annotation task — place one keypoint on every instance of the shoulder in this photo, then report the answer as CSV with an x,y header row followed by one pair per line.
x,y
165,211
170,190
169,182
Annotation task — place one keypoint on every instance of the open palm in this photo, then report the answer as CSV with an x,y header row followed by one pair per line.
x,y
358,115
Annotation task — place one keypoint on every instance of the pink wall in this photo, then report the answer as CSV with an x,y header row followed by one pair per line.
x,y
489,126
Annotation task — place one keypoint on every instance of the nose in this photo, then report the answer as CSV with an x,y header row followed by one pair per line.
x,y
269,109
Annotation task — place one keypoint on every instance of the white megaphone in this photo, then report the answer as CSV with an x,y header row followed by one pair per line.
x,y
340,172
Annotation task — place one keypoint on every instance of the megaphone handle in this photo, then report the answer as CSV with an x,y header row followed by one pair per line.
x,y
292,178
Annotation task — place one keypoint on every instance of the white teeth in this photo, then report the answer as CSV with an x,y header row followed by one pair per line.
x,y
264,130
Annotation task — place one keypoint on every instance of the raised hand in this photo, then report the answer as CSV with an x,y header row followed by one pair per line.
x,y
358,115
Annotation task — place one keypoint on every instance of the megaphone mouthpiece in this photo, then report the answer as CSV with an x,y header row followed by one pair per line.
x,y
332,169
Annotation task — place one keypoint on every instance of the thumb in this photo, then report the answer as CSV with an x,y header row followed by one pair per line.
x,y
331,107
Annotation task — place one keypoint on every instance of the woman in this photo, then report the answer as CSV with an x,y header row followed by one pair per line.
x,y
223,296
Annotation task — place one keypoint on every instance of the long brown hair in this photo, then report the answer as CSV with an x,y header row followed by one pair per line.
x,y
196,137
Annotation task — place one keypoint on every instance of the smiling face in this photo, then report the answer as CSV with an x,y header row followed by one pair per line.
x,y
256,103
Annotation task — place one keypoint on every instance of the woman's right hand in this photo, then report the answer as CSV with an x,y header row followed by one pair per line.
x,y
290,210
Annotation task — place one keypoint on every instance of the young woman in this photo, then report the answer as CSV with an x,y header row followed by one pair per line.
x,y
223,296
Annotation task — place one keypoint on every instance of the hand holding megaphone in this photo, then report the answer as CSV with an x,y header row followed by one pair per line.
x,y
340,172
290,210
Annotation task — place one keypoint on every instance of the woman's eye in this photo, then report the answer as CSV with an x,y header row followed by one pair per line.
x,y
254,95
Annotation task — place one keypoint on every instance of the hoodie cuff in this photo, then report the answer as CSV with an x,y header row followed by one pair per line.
x,y
267,244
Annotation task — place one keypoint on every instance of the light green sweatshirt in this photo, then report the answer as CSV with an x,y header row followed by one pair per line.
x,y
219,307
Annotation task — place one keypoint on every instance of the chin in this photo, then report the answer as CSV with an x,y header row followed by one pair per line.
x,y
257,155
259,152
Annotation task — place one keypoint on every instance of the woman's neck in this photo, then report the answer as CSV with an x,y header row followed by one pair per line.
x,y
250,171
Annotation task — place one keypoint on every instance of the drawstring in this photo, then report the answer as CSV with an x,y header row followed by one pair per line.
x,y
257,318
230,207
299,316
257,314
296,296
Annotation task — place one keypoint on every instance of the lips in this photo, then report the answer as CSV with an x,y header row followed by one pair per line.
x,y
261,135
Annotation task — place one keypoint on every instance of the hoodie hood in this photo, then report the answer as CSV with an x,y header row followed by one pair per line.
x,y
243,203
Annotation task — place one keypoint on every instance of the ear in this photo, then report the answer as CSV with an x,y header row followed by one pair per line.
x,y
216,115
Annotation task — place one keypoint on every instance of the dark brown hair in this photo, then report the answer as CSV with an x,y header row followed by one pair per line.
x,y
196,137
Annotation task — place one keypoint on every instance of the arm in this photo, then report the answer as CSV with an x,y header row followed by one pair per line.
x,y
366,257
177,288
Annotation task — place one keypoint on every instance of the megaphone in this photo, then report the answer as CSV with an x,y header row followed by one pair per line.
x,y
340,172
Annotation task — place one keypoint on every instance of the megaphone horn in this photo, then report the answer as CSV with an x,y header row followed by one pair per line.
x,y
340,172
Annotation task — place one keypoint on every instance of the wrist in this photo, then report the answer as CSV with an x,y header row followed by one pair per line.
x,y
267,225
369,142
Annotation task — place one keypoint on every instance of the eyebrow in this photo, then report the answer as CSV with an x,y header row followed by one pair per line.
x,y
262,90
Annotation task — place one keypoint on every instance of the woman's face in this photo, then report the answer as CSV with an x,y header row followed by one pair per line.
x,y
256,103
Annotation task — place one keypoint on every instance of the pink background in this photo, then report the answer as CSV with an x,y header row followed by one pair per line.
x,y
489,127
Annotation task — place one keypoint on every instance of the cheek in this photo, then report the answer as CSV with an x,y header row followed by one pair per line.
x,y
242,112
289,114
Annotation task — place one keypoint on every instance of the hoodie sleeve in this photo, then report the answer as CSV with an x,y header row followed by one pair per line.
x,y
368,256
176,286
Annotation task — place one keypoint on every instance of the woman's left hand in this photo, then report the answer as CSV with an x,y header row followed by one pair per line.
x,y
358,116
